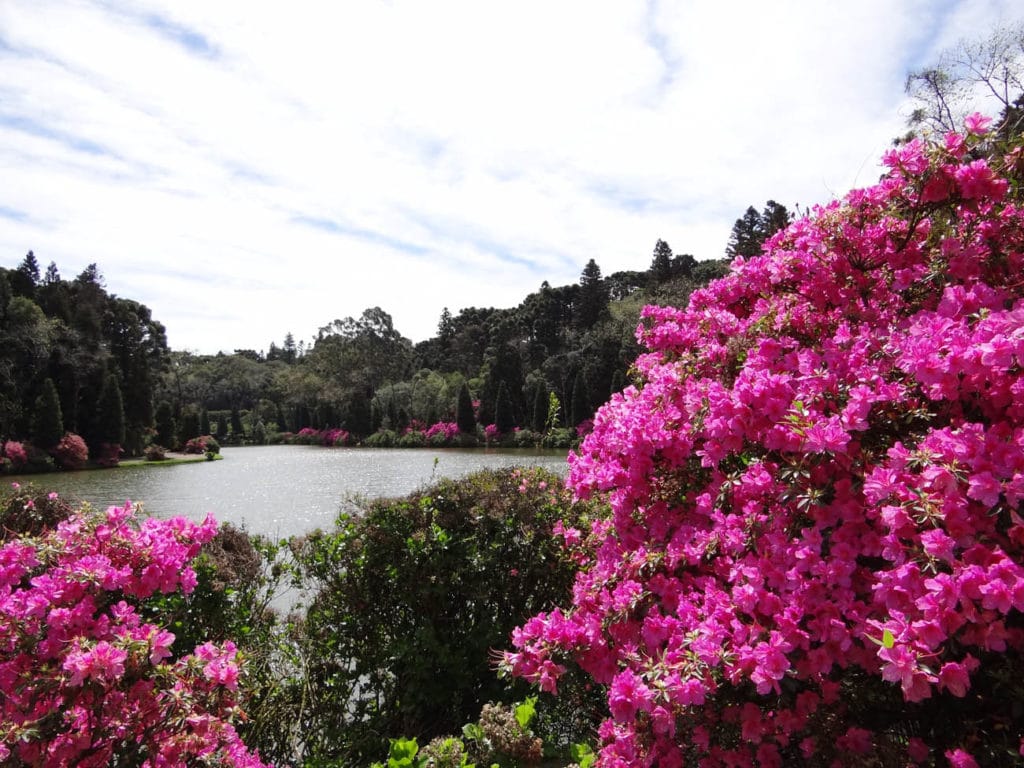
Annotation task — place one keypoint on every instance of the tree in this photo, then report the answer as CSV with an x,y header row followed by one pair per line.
x,y
237,430
110,413
204,422
504,418
661,263
750,232
47,422
745,239
25,279
593,297
580,404
165,426
540,408
464,416
990,67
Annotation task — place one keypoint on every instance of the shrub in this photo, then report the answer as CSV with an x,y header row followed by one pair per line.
x,y
412,439
383,438
411,595
15,452
203,444
155,452
817,549
26,511
71,452
109,455
97,684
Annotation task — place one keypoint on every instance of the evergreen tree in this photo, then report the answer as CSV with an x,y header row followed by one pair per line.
x,y
110,412
189,427
25,278
47,422
237,430
580,405
774,217
504,418
360,418
540,408
464,415
593,297
164,425
746,238
661,264
204,422
282,423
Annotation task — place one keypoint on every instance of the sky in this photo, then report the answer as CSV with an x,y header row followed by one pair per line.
x,y
248,168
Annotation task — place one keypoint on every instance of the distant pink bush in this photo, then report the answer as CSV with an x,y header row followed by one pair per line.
x,y
816,548
16,453
448,430
71,452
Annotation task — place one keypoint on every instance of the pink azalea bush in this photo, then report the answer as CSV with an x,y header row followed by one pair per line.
x,y
15,453
816,547
442,431
202,444
86,679
330,437
71,452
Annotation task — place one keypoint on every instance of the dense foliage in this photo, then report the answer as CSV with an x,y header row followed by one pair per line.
x,y
76,359
410,599
817,550
87,679
483,367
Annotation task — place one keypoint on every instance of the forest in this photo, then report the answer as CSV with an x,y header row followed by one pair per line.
x,y
76,360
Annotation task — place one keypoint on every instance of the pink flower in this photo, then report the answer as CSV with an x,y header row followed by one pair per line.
x,y
977,124
959,758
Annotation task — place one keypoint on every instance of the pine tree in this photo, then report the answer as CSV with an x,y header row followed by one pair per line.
x,y
164,425
110,412
581,410
593,297
504,419
47,421
661,264
360,416
237,430
540,408
204,422
746,237
189,427
464,416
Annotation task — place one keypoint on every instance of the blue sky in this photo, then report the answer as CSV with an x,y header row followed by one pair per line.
x,y
247,169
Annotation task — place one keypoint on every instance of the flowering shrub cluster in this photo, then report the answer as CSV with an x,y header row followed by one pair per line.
x,y
329,437
71,452
442,430
109,454
816,554
15,454
86,680
202,444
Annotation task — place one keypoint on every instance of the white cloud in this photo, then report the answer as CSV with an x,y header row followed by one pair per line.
x,y
248,169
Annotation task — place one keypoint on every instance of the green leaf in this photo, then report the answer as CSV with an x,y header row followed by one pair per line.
x,y
402,753
526,711
582,755
473,732
888,641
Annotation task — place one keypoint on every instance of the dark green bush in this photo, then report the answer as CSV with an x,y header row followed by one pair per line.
x,y
411,599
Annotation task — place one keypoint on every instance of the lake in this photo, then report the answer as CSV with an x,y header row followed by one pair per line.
x,y
278,490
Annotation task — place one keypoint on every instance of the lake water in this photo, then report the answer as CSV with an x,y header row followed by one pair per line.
x,y
279,490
